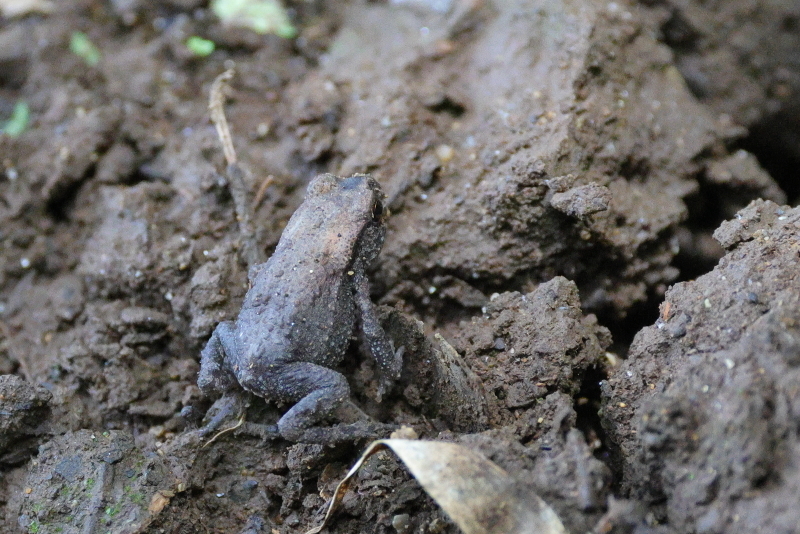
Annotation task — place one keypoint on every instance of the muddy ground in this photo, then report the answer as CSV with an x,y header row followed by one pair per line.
x,y
589,204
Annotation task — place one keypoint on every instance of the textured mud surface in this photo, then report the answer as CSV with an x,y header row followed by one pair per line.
x,y
740,58
707,416
555,171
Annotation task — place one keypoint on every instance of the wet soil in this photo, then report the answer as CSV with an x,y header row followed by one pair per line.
x,y
594,277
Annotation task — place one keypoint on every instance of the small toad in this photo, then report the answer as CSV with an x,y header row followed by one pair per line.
x,y
301,309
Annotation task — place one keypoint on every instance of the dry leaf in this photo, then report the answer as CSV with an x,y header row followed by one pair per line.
x,y
478,495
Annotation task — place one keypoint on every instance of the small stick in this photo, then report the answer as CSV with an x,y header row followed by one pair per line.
x,y
268,181
216,105
244,212
224,431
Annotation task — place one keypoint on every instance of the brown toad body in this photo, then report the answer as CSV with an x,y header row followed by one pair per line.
x,y
302,307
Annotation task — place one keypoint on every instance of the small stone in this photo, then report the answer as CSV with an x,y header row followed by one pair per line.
x,y
445,153
401,523
580,202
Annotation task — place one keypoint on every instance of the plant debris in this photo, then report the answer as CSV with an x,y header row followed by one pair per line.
x,y
478,496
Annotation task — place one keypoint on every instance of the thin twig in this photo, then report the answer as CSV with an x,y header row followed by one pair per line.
x,y
225,431
251,253
268,181
216,106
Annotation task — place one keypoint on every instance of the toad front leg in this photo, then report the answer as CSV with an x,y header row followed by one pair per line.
x,y
389,362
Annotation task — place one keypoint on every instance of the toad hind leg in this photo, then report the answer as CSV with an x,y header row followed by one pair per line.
x,y
317,390
216,373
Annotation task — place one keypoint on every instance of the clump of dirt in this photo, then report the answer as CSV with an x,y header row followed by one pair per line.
x,y
23,418
527,347
705,409
740,59
548,170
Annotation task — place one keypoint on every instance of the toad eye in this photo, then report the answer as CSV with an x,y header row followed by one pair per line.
x,y
377,210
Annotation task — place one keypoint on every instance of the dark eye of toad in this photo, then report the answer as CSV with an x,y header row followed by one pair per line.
x,y
377,210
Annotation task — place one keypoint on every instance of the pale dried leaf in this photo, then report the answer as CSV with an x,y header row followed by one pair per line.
x,y
478,495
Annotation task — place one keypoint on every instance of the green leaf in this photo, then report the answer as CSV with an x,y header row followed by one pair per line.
x,y
81,46
199,46
18,122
